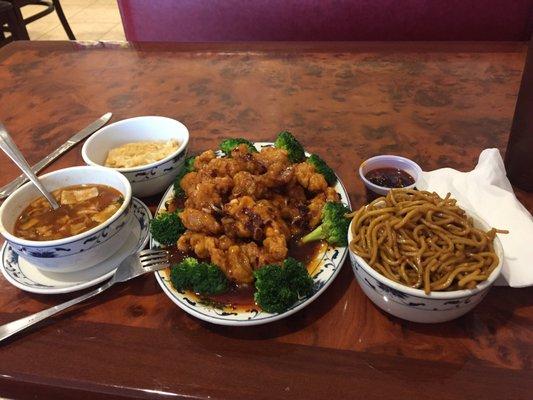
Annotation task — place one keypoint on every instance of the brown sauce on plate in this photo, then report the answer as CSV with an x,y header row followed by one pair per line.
x,y
304,252
242,296
390,177
237,296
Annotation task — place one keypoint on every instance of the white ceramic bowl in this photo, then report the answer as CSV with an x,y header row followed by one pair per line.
x,y
77,252
388,161
149,179
414,304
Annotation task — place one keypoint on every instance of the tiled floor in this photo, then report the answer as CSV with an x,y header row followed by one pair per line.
x,y
89,20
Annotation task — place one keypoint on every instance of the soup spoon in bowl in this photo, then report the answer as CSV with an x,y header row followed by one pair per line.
x,y
10,148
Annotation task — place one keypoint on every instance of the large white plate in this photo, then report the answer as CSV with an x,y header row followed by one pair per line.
x,y
328,264
26,276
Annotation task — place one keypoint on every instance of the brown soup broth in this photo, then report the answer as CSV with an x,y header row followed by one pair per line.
x,y
82,207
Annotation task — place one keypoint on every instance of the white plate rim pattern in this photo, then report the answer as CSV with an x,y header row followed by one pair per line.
x,y
332,260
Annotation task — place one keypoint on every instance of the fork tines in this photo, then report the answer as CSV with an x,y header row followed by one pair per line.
x,y
154,260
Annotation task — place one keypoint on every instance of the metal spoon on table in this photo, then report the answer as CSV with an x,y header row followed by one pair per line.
x,y
10,148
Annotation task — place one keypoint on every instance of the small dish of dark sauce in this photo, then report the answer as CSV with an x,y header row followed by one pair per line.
x,y
390,177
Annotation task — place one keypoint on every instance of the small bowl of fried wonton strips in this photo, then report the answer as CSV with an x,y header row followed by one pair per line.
x,y
457,268
157,146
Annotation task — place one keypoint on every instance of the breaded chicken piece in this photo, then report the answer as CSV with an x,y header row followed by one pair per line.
x,y
315,210
199,243
332,194
245,218
270,155
236,261
238,265
203,159
274,250
246,160
200,221
309,178
247,184
220,167
204,196
188,182
277,174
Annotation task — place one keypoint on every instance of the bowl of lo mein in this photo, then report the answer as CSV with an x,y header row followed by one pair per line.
x,y
422,257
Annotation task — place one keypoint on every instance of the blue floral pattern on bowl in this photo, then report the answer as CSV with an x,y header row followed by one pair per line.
x,y
78,246
409,306
171,166
15,273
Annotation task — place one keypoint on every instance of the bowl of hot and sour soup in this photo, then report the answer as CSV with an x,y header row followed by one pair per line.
x,y
91,224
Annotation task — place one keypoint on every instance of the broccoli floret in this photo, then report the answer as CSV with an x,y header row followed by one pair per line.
x,y
189,163
322,168
188,166
271,290
227,145
334,227
181,274
286,141
167,228
298,277
200,277
277,288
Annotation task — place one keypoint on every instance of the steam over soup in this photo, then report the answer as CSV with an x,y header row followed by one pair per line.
x,y
81,208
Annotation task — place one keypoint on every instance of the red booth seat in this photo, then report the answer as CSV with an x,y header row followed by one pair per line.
x,y
302,20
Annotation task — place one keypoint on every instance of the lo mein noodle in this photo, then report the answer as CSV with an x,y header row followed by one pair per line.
x,y
421,240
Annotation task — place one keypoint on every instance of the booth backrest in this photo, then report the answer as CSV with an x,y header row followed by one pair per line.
x,y
303,20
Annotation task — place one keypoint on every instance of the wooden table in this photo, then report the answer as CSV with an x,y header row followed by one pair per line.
x,y
438,103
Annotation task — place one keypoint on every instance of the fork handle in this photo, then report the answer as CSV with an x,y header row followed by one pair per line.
x,y
9,329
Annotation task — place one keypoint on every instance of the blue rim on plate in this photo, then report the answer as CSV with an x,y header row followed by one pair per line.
x,y
329,262
43,281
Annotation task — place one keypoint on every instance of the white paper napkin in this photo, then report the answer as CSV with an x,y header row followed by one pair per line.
x,y
487,192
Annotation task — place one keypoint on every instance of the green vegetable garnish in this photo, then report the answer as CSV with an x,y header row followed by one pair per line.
x,y
288,142
322,168
277,288
167,228
200,277
334,227
227,145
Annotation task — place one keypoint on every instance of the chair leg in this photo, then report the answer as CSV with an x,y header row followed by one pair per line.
x,y
63,19
17,25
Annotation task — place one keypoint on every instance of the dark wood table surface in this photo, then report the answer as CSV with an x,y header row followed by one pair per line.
x,y
437,103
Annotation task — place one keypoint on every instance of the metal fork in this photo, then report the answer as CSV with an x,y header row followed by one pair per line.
x,y
132,266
